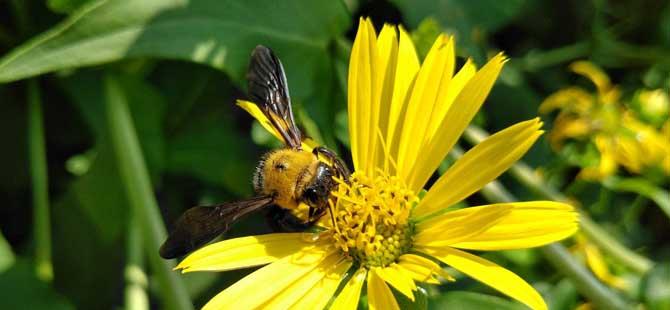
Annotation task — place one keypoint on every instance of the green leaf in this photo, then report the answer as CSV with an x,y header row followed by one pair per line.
x,y
562,296
420,299
213,32
138,190
656,288
65,6
7,257
468,20
425,34
342,128
211,151
146,104
261,136
102,179
462,14
87,256
469,300
22,290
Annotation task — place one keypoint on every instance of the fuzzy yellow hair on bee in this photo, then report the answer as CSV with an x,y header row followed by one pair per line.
x,y
285,174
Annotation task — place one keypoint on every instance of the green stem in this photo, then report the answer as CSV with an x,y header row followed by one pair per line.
x,y
612,247
633,212
136,280
642,187
39,179
536,61
605,241
140,194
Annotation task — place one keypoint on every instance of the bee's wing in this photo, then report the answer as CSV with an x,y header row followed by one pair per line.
x,y
199,225
268,89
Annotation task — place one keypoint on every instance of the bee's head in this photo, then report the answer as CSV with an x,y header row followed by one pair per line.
x,y
318,190
281,172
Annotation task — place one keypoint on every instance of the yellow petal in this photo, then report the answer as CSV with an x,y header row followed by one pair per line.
x,y
593,73
333,267
398,279
264,284
351,293
406,70
421,173
597,264
492,275
459,115
607,165
422,269
245,252
529,224
572,99
568,127
361,94
380,296
251,108
319,295
453,227
387,50
256,112
448,95
480,165
433,77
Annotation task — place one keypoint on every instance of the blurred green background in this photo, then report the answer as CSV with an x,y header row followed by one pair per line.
x,y
116,116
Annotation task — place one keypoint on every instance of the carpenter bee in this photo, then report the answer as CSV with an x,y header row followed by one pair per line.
x,y
286,179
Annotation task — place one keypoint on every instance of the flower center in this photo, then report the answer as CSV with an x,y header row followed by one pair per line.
x,y
371,218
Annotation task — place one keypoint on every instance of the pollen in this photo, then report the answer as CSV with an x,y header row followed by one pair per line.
x,y
371,217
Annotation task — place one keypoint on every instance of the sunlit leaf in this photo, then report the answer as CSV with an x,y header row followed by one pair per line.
x,y
213,32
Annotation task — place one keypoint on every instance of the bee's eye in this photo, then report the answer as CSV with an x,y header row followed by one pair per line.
x,y
280,166
311,195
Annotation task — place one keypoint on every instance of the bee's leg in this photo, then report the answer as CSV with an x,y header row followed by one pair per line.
x,y
311,213
339,165
315,214
282,220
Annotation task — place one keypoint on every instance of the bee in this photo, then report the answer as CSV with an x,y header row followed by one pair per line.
x,y
284,180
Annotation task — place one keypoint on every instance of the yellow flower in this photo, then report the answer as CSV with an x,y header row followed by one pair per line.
x,y
654,102
596,262
403,120
618,135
